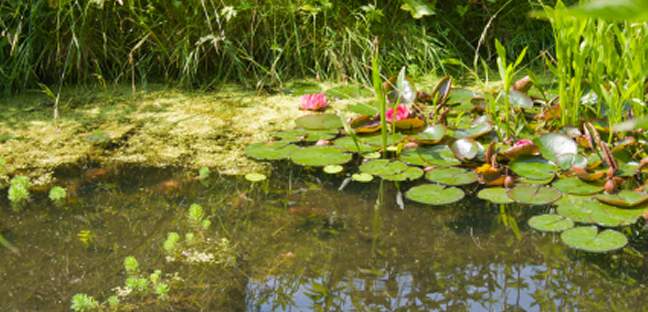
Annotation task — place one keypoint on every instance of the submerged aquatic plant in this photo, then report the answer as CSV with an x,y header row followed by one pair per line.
x,y
19,190
57,194
84,303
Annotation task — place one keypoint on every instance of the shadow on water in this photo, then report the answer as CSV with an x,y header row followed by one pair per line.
x,y
300,245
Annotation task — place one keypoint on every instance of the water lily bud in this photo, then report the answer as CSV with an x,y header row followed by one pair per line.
x,y
523,85
323,142
426,169
508,181
610,186
610,173
411,145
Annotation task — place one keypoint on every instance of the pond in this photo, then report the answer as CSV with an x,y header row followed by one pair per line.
x,y
298,244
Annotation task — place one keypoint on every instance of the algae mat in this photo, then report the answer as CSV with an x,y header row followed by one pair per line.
x,y
157,127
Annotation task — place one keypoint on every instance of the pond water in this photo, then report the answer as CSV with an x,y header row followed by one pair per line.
x,y
300,245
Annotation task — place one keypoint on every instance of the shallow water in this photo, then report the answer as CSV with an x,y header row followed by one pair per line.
x,y
301,245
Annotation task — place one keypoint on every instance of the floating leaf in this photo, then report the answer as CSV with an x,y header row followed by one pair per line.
x,y
451,176
362,177
348,92
431,135
624,198
496,195
520,100
466,149
521,150
556,147
585,209
479,127
533,168
349,145
333,169
319,156
434,194
588,238
391,170
576,186
409,124
460,95
551,223
319,122
438,155
255,177
534,194
363,109
298,135
299,88
270,151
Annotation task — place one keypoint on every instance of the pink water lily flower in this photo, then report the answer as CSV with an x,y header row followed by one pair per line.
x,y
402,112
314,102
523,142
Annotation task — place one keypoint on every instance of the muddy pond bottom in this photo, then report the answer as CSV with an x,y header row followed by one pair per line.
x,y
295,243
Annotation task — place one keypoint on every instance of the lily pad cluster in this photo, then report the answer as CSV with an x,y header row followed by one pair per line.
x,y
442,146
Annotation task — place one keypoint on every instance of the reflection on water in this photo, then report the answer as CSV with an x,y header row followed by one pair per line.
x,y
305,247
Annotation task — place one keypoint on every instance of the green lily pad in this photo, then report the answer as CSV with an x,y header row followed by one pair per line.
x,y
363,109
319,122
533,168
576,186
391,170
431,135
255,177
495,195
298,88
333,169
460,95
348,92
349,145
534,194
298,135
438,155
362,177
557,147
520,100
451,176
465,149
624,198
435,194
588,238
585,209
270,151
479,127
524,180
376,140
551,223
320,156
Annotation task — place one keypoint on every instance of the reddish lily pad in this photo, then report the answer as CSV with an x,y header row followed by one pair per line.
x,y
409,124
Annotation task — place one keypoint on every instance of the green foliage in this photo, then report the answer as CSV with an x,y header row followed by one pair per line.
x,y
171,242
19,190
137,284
57,194
84,303
196,214
162,291
131,265
203,173
506,71
618,10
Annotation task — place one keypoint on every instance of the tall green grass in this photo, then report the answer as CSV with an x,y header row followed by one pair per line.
x,y
608,58
258,42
